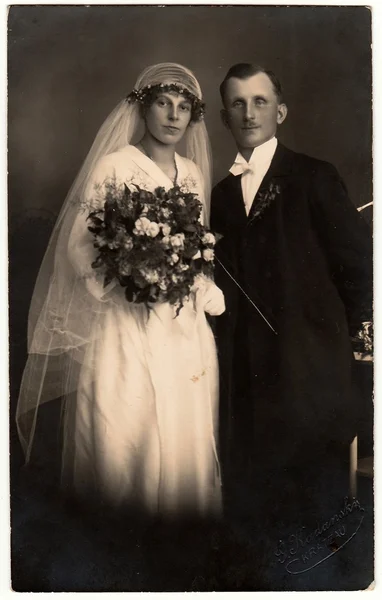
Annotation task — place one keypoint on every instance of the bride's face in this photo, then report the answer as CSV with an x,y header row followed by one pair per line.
x,y
168,117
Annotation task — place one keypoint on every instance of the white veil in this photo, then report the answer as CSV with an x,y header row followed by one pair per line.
x,y
64,318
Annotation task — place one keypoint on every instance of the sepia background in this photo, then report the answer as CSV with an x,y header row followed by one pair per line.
x,y
68,66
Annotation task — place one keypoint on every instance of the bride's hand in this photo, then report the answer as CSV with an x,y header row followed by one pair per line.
x,y
213,299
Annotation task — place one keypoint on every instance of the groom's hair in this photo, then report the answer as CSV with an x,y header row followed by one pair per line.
x,y
246,70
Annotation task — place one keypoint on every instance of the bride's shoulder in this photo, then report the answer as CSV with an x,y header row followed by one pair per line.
x,y
190,170
116,164
187,162
119,156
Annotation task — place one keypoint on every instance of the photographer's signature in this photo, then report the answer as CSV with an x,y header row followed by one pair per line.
x,y
304,550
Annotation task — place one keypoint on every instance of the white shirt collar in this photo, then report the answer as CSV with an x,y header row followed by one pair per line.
x,y
261,155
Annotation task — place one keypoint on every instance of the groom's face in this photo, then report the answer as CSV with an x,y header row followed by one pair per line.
x,y
252,110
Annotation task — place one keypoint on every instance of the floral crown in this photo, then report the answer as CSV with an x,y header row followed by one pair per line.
x,y
146,96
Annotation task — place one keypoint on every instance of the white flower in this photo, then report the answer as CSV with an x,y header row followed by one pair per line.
x,y
113,244
174,278
184,267
150,275
101,241
141,225
128,243
162,286
208,238
174,259
138,232
166,212
118,239
166,229
181,202
177,240
125,268
208,254
153,229
197,255
166,241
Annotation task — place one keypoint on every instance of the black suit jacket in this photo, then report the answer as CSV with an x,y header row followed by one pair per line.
x,y
304,257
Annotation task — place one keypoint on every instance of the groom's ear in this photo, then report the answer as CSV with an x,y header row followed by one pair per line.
x,y
282,111
224,117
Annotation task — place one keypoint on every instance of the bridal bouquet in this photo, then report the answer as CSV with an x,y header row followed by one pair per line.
x,y
152,242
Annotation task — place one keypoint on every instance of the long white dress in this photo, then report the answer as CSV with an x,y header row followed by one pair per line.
x,y
143,429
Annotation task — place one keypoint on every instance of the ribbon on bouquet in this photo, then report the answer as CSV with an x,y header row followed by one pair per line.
x,y
361,208
246,295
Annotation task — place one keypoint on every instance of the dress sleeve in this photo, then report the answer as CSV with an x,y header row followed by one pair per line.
x,y
346,239
81,250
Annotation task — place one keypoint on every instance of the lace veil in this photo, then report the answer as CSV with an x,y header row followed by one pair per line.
x,y
64,317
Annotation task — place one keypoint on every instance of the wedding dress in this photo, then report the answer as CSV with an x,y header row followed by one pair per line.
x,y
142,429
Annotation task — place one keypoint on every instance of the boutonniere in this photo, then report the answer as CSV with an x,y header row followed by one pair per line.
x,y
265,198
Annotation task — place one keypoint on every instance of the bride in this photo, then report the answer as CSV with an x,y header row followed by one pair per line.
x,y
140,391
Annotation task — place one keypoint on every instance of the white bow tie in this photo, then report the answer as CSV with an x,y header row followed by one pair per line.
x,y
241,167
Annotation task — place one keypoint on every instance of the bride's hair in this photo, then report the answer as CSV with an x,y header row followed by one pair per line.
x,y
61,316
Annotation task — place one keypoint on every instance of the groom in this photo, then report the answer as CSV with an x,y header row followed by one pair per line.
x,y
295,266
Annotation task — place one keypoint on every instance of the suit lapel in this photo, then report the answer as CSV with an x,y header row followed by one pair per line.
x,y
235,195
280,167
